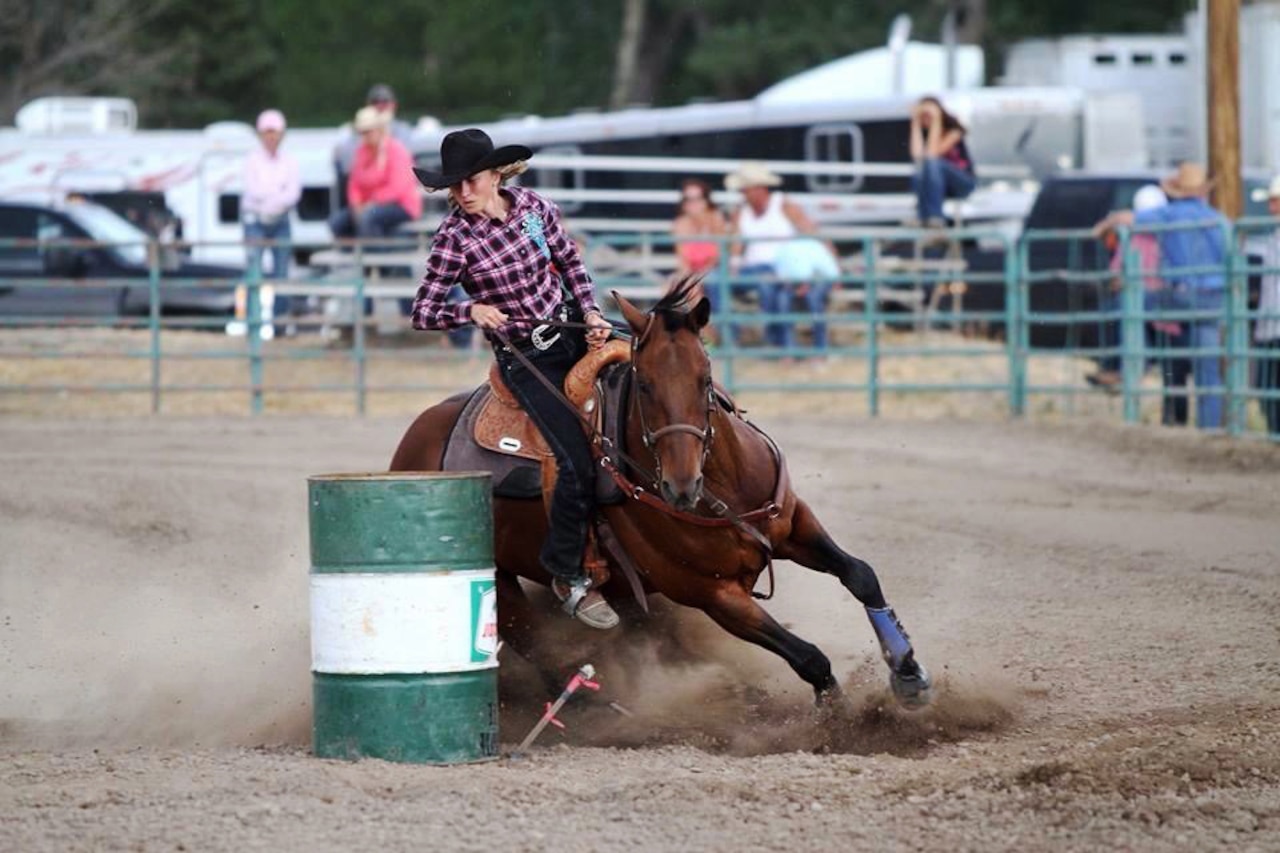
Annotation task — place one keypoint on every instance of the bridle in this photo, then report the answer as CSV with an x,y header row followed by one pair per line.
x,y
650,437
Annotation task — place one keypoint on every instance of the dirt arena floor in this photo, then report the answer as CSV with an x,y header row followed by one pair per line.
x,y
1101,606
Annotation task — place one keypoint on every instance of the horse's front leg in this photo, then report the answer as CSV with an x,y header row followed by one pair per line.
x,y
810,545
522,627
733,609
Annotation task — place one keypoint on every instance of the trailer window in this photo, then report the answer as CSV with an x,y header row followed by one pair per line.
x,y
313,205
21,223
229,208
833,143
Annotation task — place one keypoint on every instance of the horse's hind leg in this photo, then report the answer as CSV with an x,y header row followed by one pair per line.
x,y
733,609
810,545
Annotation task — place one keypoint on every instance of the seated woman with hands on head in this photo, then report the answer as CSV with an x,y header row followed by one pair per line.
x,y
944,168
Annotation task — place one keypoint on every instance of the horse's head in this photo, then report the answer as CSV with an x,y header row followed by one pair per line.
x,y
671,389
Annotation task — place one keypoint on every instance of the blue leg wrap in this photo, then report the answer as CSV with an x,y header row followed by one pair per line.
x,y
894,643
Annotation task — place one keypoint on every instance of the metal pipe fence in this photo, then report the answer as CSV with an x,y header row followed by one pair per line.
x,y
1026,324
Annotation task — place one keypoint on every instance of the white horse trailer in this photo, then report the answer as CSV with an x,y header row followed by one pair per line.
x,y
1167,73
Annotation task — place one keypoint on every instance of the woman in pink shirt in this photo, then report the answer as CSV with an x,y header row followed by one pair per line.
x,y
381,191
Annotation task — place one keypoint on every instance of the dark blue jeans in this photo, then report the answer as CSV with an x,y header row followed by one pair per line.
x,y
376,220
574,499
778,297
715,288
1268,379
1203,333
1175,374
256,229
936,180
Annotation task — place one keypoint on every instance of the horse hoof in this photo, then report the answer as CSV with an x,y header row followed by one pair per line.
x,y
828,697
913,690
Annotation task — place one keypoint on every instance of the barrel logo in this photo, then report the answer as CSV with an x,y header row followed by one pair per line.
x,y
484,620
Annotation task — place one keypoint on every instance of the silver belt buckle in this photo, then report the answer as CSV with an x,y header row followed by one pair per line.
x,y
541,343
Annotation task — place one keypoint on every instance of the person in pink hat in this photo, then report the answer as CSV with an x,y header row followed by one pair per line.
x,y
270,187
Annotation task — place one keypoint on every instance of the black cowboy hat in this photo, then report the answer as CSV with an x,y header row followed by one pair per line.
x,y
465,152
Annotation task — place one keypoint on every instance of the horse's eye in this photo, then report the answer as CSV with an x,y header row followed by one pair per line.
x,y
645,387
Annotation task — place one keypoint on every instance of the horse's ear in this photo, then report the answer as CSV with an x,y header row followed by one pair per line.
x,y
700,315
634,316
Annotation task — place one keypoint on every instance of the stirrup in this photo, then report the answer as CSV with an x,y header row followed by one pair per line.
x,y
577,590
585,604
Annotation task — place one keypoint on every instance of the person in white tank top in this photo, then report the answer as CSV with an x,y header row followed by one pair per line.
x,y
766,225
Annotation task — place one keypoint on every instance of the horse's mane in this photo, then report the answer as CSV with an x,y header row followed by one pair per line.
x,y
678,301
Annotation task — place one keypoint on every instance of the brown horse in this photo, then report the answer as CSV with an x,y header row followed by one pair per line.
x,y
696,455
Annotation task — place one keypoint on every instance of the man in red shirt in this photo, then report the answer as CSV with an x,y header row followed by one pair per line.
x,y
382,193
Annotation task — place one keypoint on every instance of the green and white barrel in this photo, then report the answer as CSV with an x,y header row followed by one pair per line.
x,y
404,625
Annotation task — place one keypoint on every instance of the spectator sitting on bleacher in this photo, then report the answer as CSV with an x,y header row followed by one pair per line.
x,y
698,216
382,99
944,168
764,223
382,194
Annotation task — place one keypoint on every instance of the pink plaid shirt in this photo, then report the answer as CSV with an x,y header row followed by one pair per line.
x,y
514,265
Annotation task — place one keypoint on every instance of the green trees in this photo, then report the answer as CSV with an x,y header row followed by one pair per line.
x,y
190,62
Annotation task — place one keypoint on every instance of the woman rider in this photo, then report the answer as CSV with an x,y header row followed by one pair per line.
x,y
508,249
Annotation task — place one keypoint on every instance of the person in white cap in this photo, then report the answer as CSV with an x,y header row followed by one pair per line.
x,y
271,187
1266,331
1167,336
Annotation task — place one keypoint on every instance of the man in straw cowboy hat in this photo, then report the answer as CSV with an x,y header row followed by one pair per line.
x,y
507,247
1193,250
766,225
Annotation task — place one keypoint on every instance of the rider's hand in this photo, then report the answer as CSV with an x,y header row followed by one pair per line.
x,y
599,331
486,316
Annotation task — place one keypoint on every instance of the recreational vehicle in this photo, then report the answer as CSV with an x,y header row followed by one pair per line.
x,y
175,184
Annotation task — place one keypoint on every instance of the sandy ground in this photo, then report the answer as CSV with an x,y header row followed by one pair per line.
x,y
1100,604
